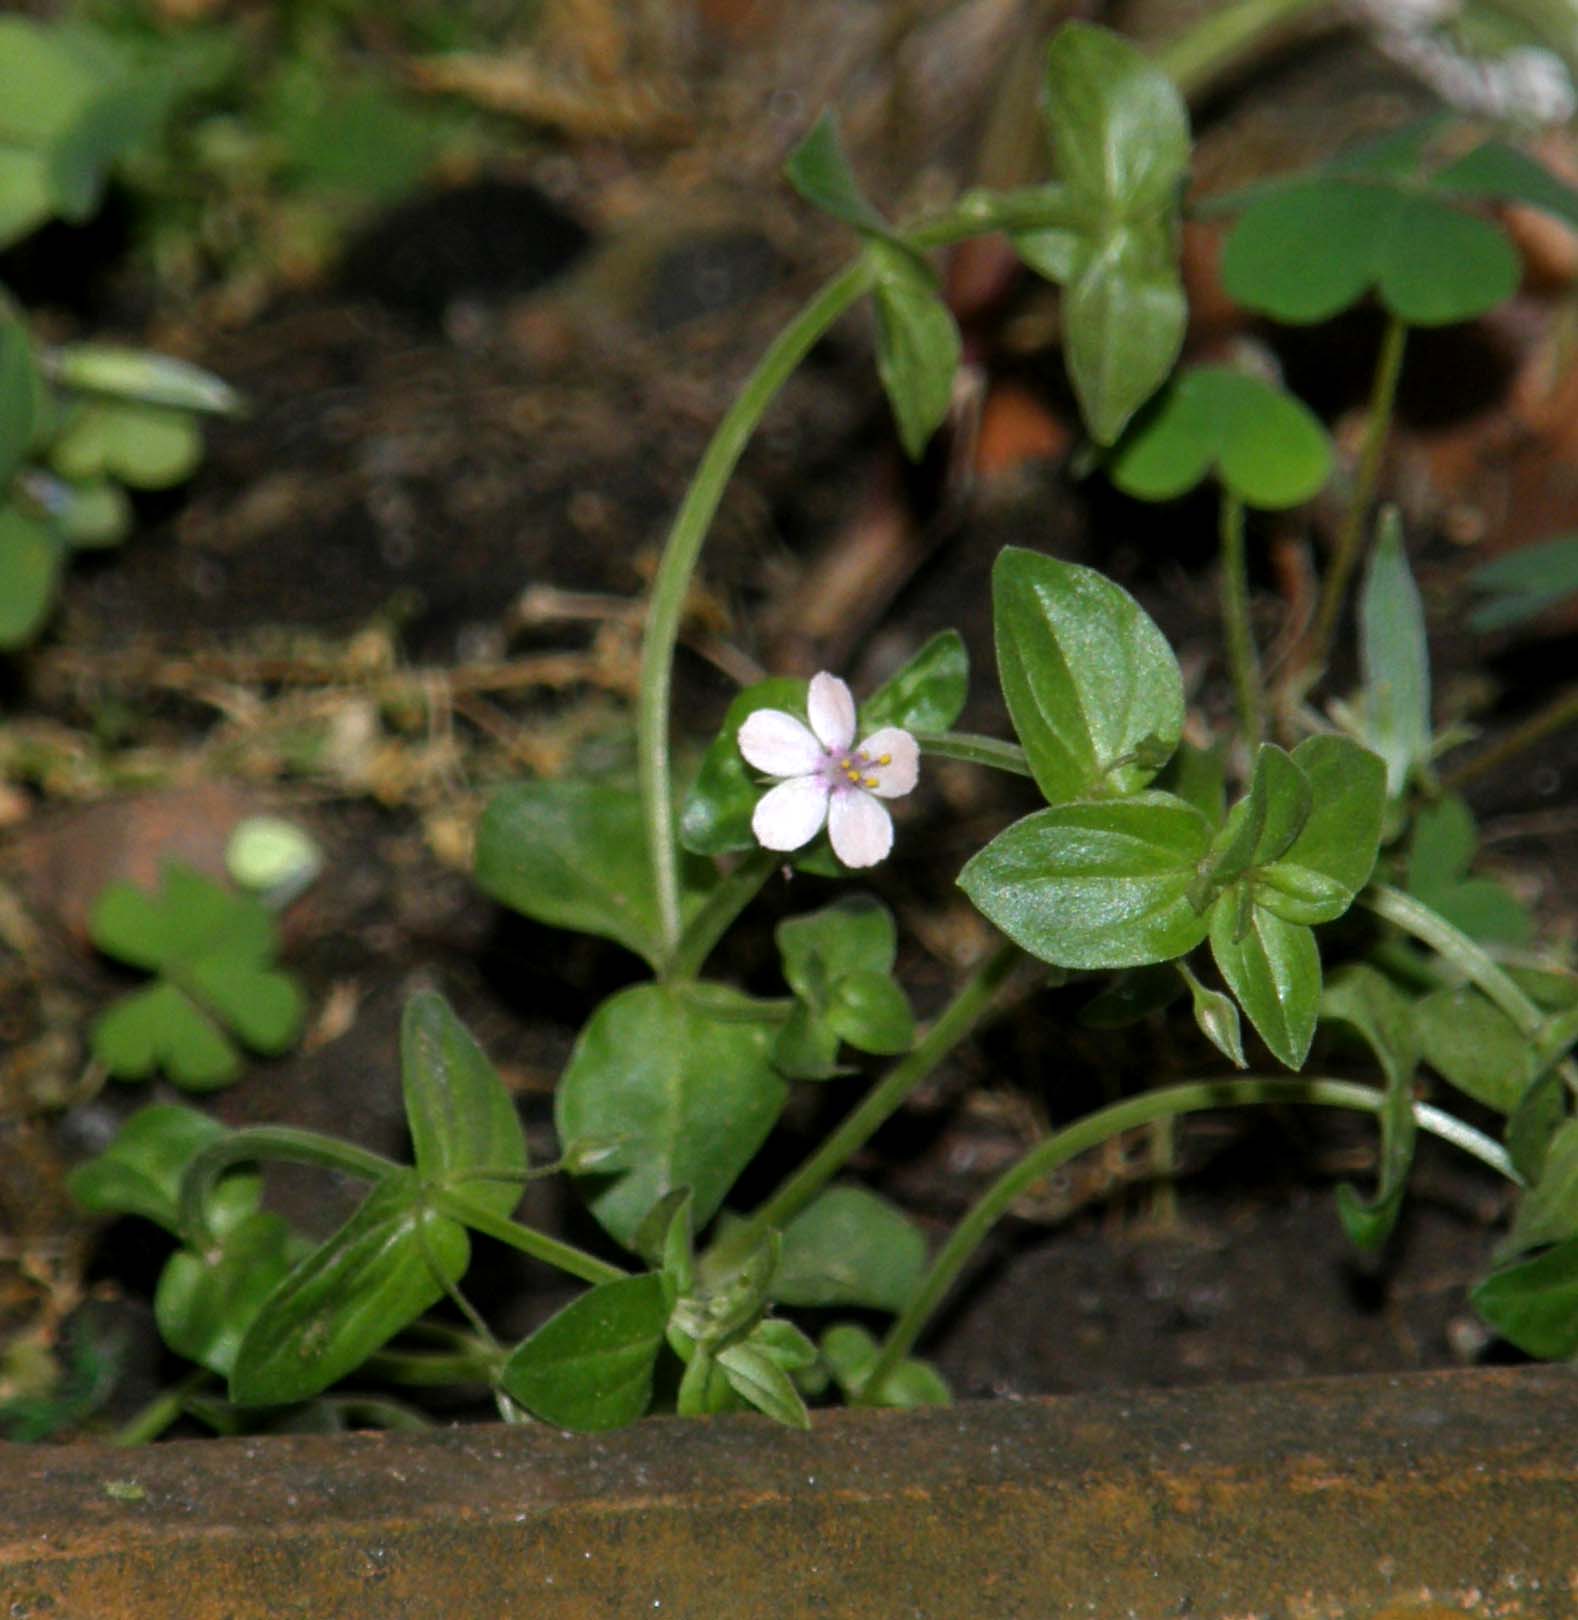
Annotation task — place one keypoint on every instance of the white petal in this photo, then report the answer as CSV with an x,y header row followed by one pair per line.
x,y
899,775
777,743
860,829
791,814
832,712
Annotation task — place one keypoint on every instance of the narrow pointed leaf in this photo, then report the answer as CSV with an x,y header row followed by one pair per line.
x,y
918,343
350,1296
460,1115
1394,658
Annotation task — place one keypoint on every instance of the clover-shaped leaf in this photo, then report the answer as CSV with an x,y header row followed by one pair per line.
x,y
1441,849
140,1172
146,446
1306,251
1265,446
212,950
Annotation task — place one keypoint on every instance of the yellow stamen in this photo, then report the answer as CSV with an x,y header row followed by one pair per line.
x,y
870,782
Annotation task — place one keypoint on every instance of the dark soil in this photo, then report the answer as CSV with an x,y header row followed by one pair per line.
x,y
351,614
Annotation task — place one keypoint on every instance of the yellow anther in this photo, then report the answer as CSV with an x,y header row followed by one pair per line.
x,y
887,759
869,782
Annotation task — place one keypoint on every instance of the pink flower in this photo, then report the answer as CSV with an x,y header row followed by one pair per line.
x,y
824,778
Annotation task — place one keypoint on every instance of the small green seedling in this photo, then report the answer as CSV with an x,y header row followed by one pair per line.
x,y
213,952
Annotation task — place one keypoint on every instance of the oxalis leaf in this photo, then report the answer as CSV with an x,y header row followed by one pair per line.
x,y
680,1076
1093,689
1304,252
212,950
1264,445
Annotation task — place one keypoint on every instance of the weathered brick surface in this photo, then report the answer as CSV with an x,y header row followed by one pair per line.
x,y
1434,1494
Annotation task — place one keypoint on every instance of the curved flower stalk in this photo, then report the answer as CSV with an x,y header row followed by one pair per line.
x,y
825,779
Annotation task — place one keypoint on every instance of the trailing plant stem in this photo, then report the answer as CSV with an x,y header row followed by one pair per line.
x,y
960,1016
680,554
1430,928
1242,659
527,1239
1192,1098
1350,540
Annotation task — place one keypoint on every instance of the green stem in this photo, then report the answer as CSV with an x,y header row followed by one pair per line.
x,y
973,750
1350,541
267,1142
432,1369
1084,1134
1242,659
734,892
565,1256
1221,39
1429,927
680,554
958,1018
153,1419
